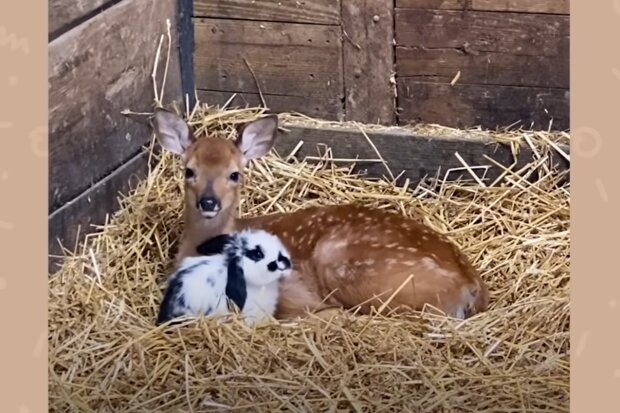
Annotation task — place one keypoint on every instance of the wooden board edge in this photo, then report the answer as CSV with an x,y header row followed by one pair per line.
x,y
91,207
368,61
344,140
559,7
185,39
275,15
58,24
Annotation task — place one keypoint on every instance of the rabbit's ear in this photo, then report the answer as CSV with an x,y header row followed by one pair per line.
x,y
236,289
172,294
214,245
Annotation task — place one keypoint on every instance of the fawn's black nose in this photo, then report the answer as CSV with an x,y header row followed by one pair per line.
x,y
208,204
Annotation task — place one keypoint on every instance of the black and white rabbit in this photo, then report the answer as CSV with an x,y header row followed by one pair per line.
x,y
244,267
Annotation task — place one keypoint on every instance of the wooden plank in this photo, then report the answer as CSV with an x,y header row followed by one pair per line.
x,y
368,60
316,11
62,13
95,71
465,106
520,6
91,207
276,103
442,65
524,6
297,60
484,32
185,31
418,156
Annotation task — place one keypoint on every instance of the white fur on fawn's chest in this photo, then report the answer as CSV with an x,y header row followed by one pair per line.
x,y
261,302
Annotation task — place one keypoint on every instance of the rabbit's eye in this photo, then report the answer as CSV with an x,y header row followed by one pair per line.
x,y
255,254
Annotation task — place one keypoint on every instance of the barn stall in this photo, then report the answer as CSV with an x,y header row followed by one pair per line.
x,y
453,112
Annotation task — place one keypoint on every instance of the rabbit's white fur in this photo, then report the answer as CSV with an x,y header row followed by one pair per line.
x,y
262,277
255,258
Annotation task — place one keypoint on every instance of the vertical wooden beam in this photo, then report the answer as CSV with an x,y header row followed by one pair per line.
x,y
186,49
368,49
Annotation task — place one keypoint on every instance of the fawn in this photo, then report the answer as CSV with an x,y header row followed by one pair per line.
x,y
347,256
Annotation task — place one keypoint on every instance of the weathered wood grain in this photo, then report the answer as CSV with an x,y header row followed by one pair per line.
x,y
442,65
63,12
368,60
488,32
297,60
512,67
524,6
418,156
316,11
276,103
465,106
185,35
95,71
91,207
521,6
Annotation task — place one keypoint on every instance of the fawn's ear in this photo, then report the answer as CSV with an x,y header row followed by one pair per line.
x,y
173,133
214,245
256,138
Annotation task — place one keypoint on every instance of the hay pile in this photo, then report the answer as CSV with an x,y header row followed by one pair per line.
x,y
105,354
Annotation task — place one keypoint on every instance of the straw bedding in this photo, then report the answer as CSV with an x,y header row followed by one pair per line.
x,y
105,354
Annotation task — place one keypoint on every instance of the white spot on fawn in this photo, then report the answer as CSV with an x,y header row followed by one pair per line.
x,y
428,263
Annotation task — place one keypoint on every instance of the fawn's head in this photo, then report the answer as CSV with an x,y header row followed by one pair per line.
x,y
213,165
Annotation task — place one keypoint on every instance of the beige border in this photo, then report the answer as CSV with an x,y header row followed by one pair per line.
x,y
595,104
595,283
23,210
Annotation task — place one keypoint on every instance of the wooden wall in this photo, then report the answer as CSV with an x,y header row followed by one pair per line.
x,y
295,53
513,58
101,56
389,61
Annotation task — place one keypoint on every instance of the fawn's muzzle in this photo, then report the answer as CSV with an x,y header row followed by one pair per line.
x,y
208,205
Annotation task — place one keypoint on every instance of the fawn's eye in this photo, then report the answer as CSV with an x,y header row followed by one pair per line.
x,y
189,173
234,176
